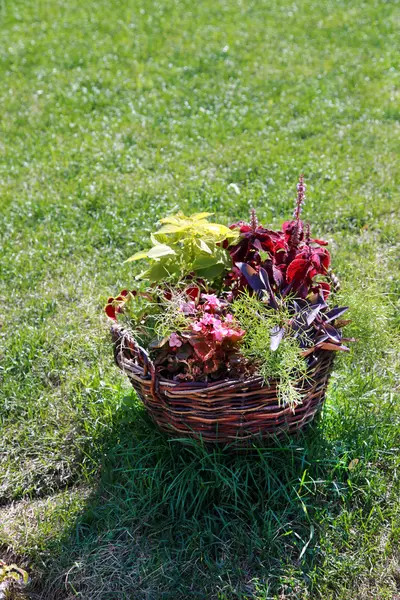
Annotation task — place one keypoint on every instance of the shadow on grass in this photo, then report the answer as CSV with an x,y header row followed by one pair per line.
x,y
174,519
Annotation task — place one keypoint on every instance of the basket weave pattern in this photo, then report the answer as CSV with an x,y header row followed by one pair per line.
x,y
222,411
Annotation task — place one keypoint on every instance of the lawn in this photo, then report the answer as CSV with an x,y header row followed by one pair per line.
x,y
112,115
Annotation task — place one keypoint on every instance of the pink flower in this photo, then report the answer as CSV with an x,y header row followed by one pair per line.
x,y
174,340
204,323
219,332
212,302
208,319
215,331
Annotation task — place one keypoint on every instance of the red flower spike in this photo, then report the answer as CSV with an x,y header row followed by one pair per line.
x,y
301,196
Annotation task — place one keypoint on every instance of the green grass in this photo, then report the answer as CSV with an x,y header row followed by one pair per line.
x,y
113,114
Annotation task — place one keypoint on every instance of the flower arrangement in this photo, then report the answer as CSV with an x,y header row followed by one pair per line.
x,y
234,302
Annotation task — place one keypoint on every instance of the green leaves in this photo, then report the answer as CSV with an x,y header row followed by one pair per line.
x,y
180,228
211,263
160,250
157,251
187,245
137,256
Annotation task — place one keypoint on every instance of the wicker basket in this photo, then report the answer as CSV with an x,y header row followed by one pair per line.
x,y
224,411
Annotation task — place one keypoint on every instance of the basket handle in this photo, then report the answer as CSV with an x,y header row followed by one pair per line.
x,y
124,343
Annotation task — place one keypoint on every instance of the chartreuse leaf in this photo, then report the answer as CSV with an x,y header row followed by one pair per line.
x,y
200,216
219,231
181,219
203,246
136,256
156,252
204,261
165,229
160,250
163,269
211,272
157,272
177,219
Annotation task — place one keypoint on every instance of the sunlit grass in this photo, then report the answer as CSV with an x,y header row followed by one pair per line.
x,y
113,114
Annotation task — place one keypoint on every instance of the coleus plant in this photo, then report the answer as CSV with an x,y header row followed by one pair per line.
x,y
282,267
187,246
290,258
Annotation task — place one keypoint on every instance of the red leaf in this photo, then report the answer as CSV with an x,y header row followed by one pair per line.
x,y
203,350
238,224
297,269
110,312
316,260
324,257
330,346
326,261
325,287
193,292
287,226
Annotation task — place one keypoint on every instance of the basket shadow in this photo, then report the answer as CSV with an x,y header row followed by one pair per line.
x,y
176,519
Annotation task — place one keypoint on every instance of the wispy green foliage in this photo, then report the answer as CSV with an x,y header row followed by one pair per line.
x,y
285,364
141,312
154,316
171,318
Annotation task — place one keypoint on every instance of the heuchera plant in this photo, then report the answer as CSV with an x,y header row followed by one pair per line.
x,y
197,271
